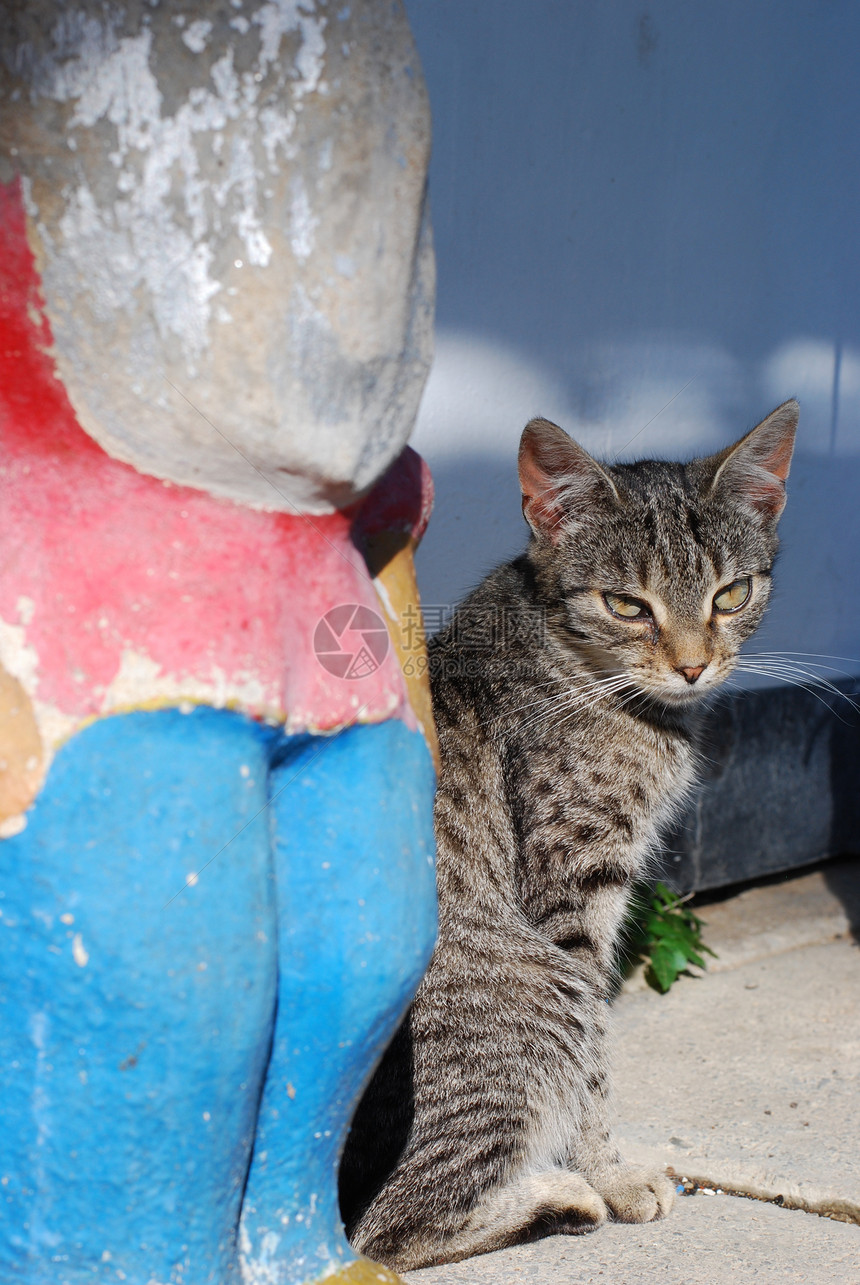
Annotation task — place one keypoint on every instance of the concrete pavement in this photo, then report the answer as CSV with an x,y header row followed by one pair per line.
x,y
717,1240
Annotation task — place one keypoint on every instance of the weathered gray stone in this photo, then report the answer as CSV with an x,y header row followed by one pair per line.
x,y
227,204
780,789
706,1240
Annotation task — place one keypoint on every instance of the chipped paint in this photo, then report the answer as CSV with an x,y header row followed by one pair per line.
x,y
131,233
259,1267
26,606
141,682
197,35
265,1266
303,221
13,825
18,656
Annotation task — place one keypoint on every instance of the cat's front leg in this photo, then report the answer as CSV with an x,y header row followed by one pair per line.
x,y
631,1193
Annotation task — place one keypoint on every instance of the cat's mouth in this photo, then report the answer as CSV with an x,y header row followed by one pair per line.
x,y
656,680
683,688
679,696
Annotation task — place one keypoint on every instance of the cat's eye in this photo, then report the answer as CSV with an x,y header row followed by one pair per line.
x,y
625,607
733,597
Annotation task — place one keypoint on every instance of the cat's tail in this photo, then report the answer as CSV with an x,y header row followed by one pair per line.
x,y
531,1206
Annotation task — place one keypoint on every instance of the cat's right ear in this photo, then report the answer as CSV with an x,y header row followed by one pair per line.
x,y
559,480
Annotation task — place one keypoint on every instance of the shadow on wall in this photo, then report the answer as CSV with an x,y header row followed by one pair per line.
x,y
477,523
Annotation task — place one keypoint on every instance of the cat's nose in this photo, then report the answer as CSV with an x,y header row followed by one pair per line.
x,y
692,672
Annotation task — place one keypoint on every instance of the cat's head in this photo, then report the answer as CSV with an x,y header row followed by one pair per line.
x,y
654,570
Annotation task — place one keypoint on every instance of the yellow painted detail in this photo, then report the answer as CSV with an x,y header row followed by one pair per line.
x,y
363,1272
390,557
21,755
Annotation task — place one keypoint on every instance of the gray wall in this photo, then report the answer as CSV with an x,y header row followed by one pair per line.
x,y
647,226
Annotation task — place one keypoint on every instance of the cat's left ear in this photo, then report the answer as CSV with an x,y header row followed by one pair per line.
x,y
753,471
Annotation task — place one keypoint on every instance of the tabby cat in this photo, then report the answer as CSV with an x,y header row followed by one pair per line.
x,y
565,692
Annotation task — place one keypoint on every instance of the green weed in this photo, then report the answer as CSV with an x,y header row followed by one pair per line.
x,y
664,934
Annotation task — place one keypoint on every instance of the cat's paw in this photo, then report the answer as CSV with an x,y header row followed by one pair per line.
x,y
542,1204
634,1195
566,1202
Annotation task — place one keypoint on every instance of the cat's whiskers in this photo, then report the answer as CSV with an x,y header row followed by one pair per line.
x,y
555,696
820,655
768,657
636,693
584,700
808,682
804,685
573,703
570,715
605,682
785,659
564,682
786,667
780,666
560,718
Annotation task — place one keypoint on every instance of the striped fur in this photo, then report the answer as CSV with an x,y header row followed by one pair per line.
x,y
562,757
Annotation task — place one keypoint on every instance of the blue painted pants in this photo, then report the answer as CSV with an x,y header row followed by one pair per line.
x,y
208,934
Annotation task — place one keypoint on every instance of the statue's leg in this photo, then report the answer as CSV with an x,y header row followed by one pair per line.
x,y
352,820
137,993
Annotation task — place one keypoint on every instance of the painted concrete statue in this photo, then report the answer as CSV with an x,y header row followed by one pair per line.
x,y
216,884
